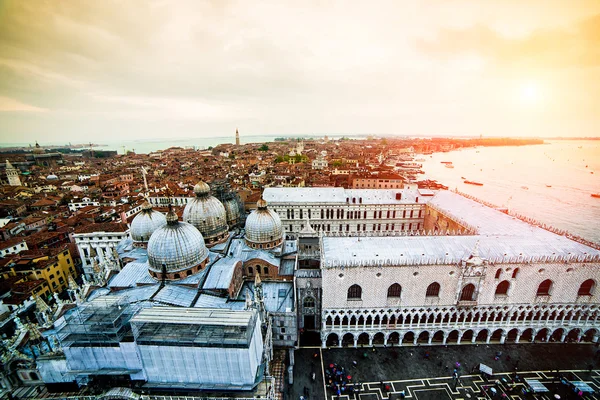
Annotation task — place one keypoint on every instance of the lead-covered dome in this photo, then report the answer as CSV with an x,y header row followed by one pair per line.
x,y
207,214
145,223
176,250
263,228
232,209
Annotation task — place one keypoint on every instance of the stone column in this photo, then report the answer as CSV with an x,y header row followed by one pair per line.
x,y
444,340
355,342
430,339
324,343
474,338
502,338
415,340
100,253
458,340
489,336
385,339
371,341
518,337
563,336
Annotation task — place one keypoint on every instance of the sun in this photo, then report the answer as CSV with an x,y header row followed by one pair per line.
x,y
530,93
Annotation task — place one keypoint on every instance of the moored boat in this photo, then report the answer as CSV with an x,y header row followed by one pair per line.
x,y
474,183
596,195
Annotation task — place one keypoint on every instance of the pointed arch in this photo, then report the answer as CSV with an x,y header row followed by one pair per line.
x,y
544,288
394,291
468,292
587,288
502,288
433,290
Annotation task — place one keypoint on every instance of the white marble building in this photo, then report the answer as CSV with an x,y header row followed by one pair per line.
x,y
350,211
98,240
509,282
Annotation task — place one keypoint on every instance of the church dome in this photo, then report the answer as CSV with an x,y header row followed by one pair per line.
x,y
263,227
176,250
145,223
233,212
207,214
38,149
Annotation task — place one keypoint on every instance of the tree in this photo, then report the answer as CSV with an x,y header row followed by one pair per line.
x,y
264,147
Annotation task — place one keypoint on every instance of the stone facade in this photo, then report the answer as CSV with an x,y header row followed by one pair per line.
x,y
455,315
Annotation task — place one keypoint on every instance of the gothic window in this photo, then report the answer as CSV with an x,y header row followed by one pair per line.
x,y
515,273
309,302
498,273
502,288
433,290
586,288
354,292
544,288
467,293
395,290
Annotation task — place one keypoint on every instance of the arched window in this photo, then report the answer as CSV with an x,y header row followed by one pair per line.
x,y
354,292
502,288
250,271
395,290
515,273
544,288
498,273
586,288
467,293
309,302
433,290
266,270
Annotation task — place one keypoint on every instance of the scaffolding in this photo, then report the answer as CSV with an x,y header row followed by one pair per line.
x,y
100,322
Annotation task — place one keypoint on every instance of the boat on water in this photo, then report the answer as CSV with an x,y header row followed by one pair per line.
x,y
524,187
548,185
462,177
596,195
473,183
449,166
445,162
420,159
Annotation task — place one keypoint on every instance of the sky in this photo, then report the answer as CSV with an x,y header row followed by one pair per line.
x,y
107,70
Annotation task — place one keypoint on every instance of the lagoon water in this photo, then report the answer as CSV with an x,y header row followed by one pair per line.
x,y
551,183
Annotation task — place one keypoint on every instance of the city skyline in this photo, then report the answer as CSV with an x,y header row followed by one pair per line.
x,y
73,71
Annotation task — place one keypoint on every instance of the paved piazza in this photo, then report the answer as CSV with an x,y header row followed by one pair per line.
x,y
425,372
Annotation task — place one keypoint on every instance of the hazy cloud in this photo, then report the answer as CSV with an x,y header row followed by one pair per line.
x,y
575,46
199,68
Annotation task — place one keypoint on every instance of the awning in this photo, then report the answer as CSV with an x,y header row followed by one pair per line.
x,y
536,386
485,369
582,386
